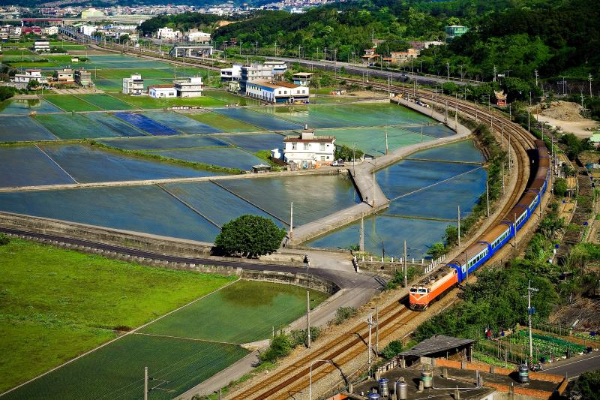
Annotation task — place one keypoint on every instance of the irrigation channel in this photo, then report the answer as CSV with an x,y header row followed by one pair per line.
x,y
293,380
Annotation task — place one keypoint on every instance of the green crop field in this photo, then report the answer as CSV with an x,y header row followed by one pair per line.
x,y
71,103
57,304
224,123
106,102
243,312
75,126
147,102
147,73
230,98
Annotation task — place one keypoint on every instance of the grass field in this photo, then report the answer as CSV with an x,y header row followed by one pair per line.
x,y
224,123
147,102
243,312
105,101
71,103
57,303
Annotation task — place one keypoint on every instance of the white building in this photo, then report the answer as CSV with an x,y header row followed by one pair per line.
x,y
41,46
309,149
91,13
198,37
162,91
192,87
51,30
87,29
255,72
278,92
302,78
30,75
168,34
133,85
231,74
278,67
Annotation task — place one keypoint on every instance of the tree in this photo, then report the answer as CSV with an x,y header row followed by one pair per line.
x,y
346,153
560,187
249,236
451,235
392,349
436,250
6,92
588,385
32,84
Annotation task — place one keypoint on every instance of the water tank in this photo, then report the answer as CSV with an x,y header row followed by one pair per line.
x,y
383,387
523,373
401,390
427,378
373,396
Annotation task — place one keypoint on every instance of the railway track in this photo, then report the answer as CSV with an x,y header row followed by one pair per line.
x,y
294,378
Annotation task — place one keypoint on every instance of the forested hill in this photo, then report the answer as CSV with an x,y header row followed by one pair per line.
x,y
517,36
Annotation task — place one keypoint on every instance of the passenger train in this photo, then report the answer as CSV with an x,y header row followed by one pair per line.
x,y
456,271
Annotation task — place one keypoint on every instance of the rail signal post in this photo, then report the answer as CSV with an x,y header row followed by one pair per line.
x,y
530,311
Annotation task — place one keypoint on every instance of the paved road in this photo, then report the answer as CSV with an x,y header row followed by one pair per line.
x,y
575,366
359,69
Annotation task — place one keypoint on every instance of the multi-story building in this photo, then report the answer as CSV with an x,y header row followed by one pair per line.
x,y
64,76
192,87
162,91
167,33
133,85
399,57
30,75
302,78
307,149
231,74
83,77
88,29
255,72
41,46
278,67
278,92
198,37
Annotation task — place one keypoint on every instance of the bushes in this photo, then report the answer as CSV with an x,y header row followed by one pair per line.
x,y
281,346
343,313
4,240
392,349
560,187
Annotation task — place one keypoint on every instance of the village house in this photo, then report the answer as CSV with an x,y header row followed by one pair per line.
x,y
199,37
307,149
133,85
30,75
277,92
302,78
83,77
41,46
64,76
162,91
400,57
167,33
191,87
231,74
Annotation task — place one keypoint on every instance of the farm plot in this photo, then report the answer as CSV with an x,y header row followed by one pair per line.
x,y
146,102
28,166
23,107
59,304
119,127
461,151
181,122
106,102
223,157
147,73
215,203
164,143
224,123
75,126
546,347
87,164
71,103
264,121
260,305
146,209
146,124
20,129
231,98
321,195
254,142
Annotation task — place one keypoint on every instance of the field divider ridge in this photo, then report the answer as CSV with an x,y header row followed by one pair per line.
x,y
57,164
184,338
185,203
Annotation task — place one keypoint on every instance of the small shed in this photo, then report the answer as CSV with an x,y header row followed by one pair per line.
x,y
440,346
261,168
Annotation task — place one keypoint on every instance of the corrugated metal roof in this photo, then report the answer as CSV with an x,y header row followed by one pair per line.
x,y
436,344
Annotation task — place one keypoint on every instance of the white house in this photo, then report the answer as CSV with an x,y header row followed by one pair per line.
x,y
51,30
278,67
231,74
41,46
198,37
87,29
255,72
302,78
133,85
30,75
162,91
309,149
168,33
278,92
191,87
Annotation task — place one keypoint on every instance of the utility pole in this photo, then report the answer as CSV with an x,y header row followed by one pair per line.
x,y
145,383
536,77
590,81
370,323
487,197
308,319
291,219
386,141
458,225
376,329
529,114
530,312
361,245
494,79
405,266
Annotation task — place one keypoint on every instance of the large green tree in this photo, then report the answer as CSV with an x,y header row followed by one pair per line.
x,y
249,236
